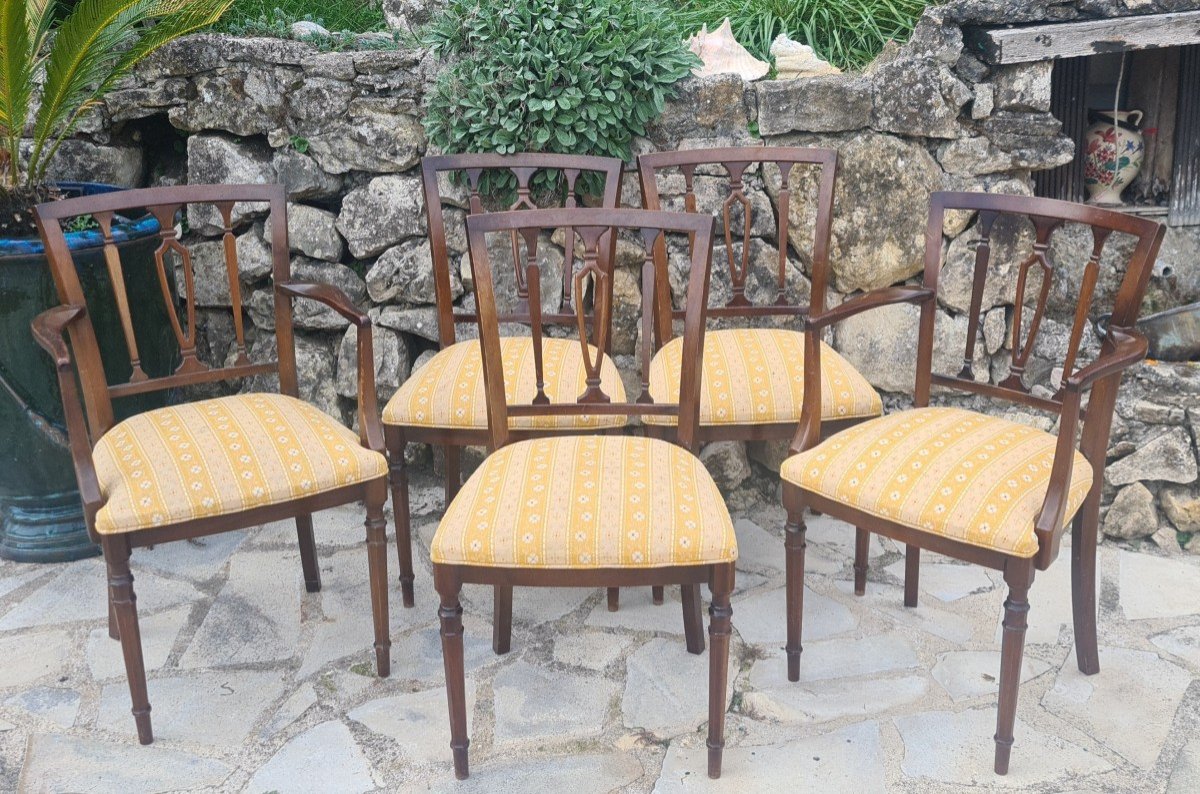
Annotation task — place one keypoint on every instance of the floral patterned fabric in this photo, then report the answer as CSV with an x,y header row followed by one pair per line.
x,y
946,471
216,457
755,376
587,502
448,392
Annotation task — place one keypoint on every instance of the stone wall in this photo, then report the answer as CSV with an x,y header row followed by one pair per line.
x,y
343,132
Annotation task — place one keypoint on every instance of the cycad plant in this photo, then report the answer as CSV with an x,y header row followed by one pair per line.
x,y
51,75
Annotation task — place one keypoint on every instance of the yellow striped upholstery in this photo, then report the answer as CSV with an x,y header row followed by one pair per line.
x,y
755,376
216,457
448,392
587,502
946,471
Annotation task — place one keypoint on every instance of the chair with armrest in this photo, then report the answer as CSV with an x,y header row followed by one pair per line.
x,y
587,508
213,465
969,485
754,359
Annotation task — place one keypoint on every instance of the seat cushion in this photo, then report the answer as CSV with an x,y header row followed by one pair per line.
x,y
216,457
587,502
448,391
755,376
950,472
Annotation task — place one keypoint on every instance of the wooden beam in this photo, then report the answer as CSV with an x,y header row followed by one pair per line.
x,y
1075,39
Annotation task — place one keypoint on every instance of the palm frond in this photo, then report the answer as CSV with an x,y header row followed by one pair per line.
x,y
23,27
86,46
96,46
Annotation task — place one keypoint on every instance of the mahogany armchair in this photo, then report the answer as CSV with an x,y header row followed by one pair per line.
x,y
592,509
969,485
443,403
213,465
754,360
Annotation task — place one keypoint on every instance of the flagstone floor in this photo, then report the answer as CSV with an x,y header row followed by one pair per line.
x,y
257,686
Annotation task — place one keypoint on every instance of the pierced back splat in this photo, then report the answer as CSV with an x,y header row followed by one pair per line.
x,y
171,255
736,162
1021,352
595,229
171,245
593,341
524,168
1047,216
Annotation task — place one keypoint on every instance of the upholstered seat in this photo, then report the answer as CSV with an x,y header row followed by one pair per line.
x,y
947,471
448,391
755,376
221,456
587,502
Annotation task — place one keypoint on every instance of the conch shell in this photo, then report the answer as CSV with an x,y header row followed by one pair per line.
x,y
721,54
793,59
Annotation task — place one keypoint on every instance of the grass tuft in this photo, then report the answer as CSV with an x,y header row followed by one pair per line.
x,y
847,33
352,16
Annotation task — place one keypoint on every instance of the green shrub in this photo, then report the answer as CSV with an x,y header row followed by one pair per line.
x,y
566,76
847,33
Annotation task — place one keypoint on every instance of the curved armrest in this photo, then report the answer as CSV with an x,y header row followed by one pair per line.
x,y
865,302
370,429
1129,347
49,331
329,295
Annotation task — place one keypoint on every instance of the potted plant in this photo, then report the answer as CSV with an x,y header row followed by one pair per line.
x,y
57,62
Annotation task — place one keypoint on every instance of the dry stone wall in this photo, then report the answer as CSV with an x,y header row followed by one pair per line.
x,y
342,130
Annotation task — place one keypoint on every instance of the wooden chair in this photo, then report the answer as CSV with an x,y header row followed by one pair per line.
x,y
969,485
754,372
586,510
214,465
443,403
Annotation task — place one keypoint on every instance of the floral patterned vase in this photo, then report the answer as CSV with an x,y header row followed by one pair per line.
x,y
1114,154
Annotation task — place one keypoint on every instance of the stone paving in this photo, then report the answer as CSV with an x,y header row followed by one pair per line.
x,y
257,686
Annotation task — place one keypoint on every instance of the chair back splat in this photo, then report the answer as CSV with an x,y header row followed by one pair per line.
x,y
1036,279
754,283
172,260
534,181
595,231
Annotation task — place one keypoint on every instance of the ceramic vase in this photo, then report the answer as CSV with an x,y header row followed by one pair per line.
x,y
1114,151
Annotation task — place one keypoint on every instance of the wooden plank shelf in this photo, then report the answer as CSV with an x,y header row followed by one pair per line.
x,y
1074,39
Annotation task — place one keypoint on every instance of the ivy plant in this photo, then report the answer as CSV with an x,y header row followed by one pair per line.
x,y
565,76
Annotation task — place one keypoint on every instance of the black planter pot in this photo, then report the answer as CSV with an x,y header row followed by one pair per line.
x,y
41,516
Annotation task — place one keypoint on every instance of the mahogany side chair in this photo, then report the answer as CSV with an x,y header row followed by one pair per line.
x,y
593,509
442,403
754,372
966,484
214,465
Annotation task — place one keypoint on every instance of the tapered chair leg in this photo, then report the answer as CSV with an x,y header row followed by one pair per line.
x,y
124,603
719,629
502,619
1083,588
399,479
614,598
693,622
450,614
308,553
862,544
376,526
794,545
113,631
912,574
1016,612
658,595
